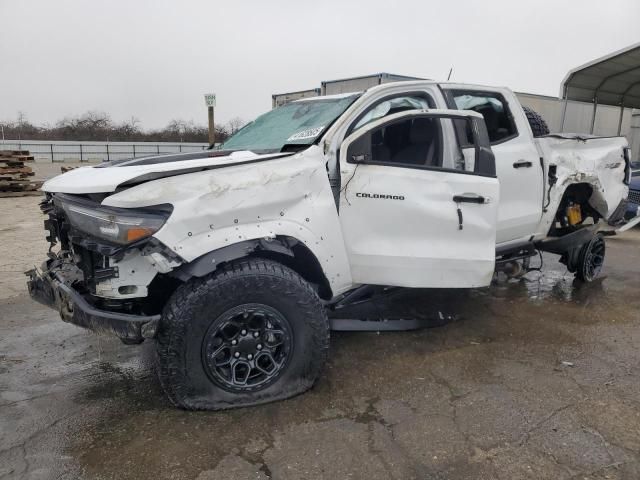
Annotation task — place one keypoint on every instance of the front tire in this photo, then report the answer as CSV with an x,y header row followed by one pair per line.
x,y
252,332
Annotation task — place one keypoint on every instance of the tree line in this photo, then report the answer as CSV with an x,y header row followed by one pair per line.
x,y
98,126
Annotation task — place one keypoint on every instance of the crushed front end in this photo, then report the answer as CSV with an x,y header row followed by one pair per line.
x,y
105,270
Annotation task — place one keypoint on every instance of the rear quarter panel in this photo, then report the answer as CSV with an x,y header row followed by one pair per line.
x,y
596,161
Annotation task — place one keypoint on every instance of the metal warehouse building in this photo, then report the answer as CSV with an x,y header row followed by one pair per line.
x,y
582,108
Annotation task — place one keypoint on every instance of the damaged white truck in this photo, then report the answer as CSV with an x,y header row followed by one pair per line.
x,y
230,258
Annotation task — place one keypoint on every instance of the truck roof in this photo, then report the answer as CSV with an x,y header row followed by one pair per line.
x,y
324,97
393,85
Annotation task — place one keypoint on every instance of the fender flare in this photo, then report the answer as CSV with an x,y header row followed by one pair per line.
x,y
208,263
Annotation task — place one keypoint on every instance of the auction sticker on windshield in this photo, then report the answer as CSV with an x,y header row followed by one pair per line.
x,y
305,134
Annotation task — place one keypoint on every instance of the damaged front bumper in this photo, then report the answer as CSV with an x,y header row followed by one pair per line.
x,y
632,222
52,289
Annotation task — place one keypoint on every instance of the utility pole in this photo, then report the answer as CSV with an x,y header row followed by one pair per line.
x,y
210,99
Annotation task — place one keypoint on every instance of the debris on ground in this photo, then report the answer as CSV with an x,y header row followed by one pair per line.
x,y
15,176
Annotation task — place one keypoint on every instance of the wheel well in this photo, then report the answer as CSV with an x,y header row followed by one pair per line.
x,y
578,193
286,250
304,263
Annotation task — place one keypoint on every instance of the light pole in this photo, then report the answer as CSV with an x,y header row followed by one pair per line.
x,y
210,100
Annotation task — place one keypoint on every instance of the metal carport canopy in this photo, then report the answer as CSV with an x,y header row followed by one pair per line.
x,y
610,80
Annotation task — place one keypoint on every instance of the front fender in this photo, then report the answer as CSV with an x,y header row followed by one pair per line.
x,y
288,197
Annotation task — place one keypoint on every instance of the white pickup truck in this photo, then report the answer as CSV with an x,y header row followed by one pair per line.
x,y
230,258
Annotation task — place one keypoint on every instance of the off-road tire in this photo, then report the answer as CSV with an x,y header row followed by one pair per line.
x,y
538,124
586,270
199,303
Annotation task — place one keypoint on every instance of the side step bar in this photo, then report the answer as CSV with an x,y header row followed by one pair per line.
x,y
384,325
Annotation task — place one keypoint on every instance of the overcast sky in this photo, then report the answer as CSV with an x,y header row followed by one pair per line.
x,y
155,59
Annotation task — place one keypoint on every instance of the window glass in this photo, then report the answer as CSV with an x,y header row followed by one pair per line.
x,y
496,114
391,106
414,141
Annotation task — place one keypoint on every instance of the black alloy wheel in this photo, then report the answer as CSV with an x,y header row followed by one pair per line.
x,y
247,347
591,259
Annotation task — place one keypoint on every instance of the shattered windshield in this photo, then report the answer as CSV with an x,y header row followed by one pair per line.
x,y
297,123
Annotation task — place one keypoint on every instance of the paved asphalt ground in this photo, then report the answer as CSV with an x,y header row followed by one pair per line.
x,y
534,379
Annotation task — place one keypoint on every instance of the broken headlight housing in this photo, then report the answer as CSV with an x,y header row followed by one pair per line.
x,y
115,225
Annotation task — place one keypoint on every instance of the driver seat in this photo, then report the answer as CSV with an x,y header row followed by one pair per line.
x,y
421,149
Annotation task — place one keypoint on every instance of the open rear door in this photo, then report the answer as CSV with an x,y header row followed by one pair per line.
x,y
414,213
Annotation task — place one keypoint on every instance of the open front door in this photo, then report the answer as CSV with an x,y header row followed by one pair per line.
x,y
414,212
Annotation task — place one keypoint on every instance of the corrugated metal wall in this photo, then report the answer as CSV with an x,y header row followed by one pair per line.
x,y
358,84
635,136
280,99
335,87
579,115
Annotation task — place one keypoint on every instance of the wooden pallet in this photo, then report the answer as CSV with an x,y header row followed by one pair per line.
x,y
14,175
11,153
19,185
17,158
16,171
27,193
11,163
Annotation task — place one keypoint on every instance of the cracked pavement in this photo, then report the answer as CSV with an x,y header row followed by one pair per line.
x,y
485,396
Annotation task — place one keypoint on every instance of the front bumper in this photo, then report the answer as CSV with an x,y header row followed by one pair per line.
x,y
53,290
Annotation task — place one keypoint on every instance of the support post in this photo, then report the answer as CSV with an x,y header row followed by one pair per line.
x,y
564,114
595,111
620,119
564,108
212,132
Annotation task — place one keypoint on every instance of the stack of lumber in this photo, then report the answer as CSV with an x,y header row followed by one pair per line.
x,y
15,176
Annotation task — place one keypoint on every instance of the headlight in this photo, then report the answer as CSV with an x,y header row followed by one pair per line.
x,y
119,226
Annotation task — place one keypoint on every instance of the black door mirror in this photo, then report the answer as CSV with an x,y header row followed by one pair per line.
x,y
360,150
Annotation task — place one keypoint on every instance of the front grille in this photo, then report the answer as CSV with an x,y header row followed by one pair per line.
x,y
634,196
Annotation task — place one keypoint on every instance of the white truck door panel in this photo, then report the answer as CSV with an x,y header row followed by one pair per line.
x,y
401,224
517,159
521,187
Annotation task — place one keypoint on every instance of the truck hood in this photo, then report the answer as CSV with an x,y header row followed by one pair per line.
x,y
107,177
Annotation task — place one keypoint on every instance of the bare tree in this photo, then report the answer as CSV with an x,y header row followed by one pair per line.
x,y
98,126
235,124
22,121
